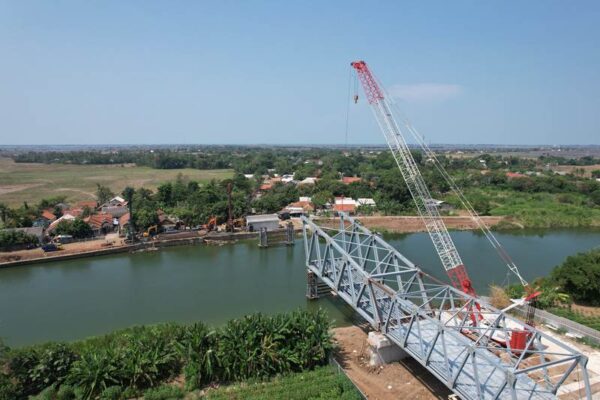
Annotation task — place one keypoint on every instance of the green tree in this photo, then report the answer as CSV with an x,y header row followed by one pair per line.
x,y
579,276
80,229
4,212
321,198
76,228
128,194
103,193
145,218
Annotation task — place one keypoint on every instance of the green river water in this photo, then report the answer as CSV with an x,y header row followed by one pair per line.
x,y
74,299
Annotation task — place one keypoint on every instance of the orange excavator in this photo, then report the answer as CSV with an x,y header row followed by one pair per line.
x,y
211,224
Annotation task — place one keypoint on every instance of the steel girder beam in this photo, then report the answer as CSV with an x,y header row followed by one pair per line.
x,y
431,321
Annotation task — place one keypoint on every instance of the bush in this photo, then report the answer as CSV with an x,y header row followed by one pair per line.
x,y
579,276
13,239
140,358
165,392
112,393
36,368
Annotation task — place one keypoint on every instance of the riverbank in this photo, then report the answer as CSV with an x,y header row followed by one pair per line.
x,y
100,247
408,224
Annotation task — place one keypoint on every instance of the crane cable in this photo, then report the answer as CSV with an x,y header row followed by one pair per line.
x,y
454,187
348,108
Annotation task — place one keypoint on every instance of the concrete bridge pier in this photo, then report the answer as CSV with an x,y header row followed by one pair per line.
x,y
382,350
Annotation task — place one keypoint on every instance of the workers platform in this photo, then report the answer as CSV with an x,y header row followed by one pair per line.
x,y
465,343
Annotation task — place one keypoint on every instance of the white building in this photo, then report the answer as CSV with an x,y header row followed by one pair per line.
x,y
311,180
367,201
345,201
287,178
255,223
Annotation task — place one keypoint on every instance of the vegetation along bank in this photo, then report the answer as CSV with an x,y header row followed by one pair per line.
x,y
134,361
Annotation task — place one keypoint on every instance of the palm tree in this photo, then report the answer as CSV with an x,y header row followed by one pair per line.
x,y
128,193
4,212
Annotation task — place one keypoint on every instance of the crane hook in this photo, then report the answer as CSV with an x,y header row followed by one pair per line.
x,y
355,98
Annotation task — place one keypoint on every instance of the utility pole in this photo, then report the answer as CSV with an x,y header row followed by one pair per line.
x,y
229,226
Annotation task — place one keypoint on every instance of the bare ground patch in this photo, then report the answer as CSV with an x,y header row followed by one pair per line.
x,y
17,188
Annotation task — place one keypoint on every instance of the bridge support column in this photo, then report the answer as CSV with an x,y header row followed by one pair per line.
x,y
382,350
312,288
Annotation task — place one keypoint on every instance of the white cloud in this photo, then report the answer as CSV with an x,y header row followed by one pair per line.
x,y
425,92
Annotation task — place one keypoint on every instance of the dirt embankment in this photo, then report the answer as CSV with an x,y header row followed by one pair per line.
x,y
109,244
405,379
410,224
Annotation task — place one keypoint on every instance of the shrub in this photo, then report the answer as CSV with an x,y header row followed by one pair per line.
x,y
165,392
112,393
13,239
256,346
579,276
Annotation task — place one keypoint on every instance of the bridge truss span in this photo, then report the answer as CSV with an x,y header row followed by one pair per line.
x,y
432,321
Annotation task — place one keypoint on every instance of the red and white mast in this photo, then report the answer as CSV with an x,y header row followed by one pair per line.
x,y
426,207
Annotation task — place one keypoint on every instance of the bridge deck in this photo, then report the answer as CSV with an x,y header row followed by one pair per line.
x,y
432,321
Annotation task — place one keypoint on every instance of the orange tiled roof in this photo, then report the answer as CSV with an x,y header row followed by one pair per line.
x,y
87,203
48,215
124,219
350,179
305,205
97,220
344,207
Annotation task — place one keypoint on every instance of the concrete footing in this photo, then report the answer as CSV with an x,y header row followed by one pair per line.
x,y
382,350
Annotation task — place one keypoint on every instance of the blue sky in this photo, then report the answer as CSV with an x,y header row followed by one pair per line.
x,y
276,72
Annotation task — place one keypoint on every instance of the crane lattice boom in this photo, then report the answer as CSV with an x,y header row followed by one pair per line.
x,y
425,205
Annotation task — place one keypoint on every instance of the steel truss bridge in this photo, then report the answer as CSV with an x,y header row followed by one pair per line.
x,y
432,321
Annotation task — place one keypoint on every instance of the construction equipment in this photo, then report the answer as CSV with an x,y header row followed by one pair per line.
x,y
239,222
382,105
151,231
211,224
427,209
429,320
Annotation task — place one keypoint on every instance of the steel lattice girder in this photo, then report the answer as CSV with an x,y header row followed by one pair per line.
x,y
431,320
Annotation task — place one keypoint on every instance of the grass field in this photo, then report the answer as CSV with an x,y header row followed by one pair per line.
x,y
538,210
33,182
323,383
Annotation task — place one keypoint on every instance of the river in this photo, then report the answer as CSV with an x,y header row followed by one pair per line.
x,y
75,299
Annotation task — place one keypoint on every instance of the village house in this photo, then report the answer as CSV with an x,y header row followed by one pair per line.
x,y
91,204
346,180
115,211
46,218
101,224
54,224
255,223
439,204
299,208
366,201
116,201
311,180
344,204
515,175
124,224
287,178
166,221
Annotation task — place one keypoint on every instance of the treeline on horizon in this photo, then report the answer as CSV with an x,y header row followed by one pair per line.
x,y
540,198
245,160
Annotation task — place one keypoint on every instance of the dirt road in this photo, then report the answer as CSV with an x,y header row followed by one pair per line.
x,y
406,379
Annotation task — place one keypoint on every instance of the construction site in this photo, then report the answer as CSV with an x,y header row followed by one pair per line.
x,y
474,350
